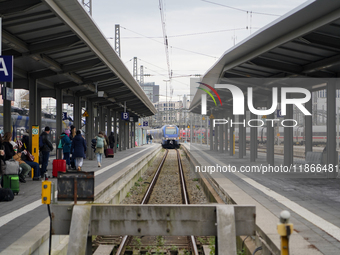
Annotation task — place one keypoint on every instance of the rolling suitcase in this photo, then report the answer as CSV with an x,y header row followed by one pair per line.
x,y
109,153
58,165
11,181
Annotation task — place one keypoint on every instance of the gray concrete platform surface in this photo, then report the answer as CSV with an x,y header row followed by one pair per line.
x,y
312,199
25,212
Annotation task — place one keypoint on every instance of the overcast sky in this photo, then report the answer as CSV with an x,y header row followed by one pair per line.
x,y
198,31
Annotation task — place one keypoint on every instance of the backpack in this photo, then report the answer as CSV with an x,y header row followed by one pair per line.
x,y
6,195
100,142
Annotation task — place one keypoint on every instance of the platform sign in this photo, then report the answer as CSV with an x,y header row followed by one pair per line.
x,y
6,68
145,123
35,145
8,94
85,114
125,116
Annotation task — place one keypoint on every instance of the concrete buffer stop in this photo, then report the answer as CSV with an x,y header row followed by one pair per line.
x,y
300,49
59,52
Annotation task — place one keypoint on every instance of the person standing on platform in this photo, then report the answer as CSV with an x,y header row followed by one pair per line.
x,y
147,138
66,145
79,149
112,140
71,136
101,143
151,137
45,147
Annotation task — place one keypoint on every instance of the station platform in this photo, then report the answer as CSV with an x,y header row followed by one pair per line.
x,y
312,199
26,212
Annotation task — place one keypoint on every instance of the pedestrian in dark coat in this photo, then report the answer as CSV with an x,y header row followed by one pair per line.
x,y
112,140
79,149
46,147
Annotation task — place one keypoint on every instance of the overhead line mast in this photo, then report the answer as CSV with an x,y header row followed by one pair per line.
x,y
166,44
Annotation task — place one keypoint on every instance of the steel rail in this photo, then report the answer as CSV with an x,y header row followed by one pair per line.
x,y
145,199
185,196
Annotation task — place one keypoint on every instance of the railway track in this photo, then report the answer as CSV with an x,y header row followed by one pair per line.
x,y
161,245
263,149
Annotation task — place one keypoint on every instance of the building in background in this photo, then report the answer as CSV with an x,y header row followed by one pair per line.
x,y
151,90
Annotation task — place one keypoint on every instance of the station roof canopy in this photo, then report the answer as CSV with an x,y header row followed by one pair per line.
x,y
302,43
58,44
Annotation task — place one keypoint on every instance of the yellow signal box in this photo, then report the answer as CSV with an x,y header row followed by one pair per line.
x,y
46,192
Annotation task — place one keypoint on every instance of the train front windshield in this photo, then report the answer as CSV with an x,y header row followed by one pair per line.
x,y
170,131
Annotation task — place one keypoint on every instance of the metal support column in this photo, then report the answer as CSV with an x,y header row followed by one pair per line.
x,y
245,136
59,108
109,121
226,135
7,125
121,132
129,126
216,134
288,135
101,119
241,136
96,125
231,137
89,129
309,127
211,135
270,136
33,105
126,124
115,130
332,159
253,140
77,112
134,134
221,138
191,130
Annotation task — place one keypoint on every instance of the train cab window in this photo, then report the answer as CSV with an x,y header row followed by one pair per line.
x,y
170,131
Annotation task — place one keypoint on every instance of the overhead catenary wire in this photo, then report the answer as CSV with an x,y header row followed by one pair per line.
x,y
152,38
242,10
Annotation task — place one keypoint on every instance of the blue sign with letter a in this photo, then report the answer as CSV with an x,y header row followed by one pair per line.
x,y
6,68
125,116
